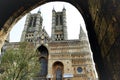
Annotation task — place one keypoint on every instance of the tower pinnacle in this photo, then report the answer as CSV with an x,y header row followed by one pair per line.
x,y
82,34
39,11
64,7
53,9
59,28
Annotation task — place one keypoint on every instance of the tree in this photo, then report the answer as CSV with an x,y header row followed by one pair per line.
x,y
20,63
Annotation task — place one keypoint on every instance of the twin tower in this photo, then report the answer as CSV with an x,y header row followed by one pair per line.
x,y
33,26
60,58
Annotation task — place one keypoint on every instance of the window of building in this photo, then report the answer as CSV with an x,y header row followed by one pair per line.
x,y
61,20
79,69
43,68
56,19
30,22
34,21
58,74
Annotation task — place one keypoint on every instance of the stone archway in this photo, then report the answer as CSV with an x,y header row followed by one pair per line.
x,y
82,6
102,22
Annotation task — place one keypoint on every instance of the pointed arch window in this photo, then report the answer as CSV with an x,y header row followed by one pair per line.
x,y
43,61
61,20
34,21
43,67
56,19
30,21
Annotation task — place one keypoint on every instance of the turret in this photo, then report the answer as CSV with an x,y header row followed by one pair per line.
x,y
59,28
33,26
53,24
25,27
39,11
82,35
64,23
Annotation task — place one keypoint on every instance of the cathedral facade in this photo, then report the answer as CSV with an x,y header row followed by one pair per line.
x,y
60,58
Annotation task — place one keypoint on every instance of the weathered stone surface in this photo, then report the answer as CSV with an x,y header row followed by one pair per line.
x,y
108,31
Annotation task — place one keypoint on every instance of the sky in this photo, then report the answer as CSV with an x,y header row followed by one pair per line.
x,y
74,20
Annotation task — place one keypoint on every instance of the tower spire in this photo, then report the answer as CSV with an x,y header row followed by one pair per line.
x,y
53,8
64,7
39,11
82,34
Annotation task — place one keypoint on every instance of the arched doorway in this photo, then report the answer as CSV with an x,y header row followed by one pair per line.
x,y
43,59
58,70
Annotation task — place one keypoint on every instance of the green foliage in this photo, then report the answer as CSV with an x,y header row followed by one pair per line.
x,y
20,63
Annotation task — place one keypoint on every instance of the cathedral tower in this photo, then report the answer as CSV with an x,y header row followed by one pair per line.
x,y
59,28
32,28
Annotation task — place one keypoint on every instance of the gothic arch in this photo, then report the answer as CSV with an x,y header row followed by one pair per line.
x,y
43,51
43,59
109,42
82,6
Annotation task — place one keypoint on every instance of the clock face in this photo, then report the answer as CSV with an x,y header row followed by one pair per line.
x,y
79,69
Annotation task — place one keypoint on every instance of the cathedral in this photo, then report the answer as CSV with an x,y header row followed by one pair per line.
x,y
60,58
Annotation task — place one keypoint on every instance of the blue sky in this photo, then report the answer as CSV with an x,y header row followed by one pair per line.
x,y
74,19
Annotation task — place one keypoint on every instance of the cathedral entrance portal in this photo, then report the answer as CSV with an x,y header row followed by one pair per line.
x,y
43,59
58,70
